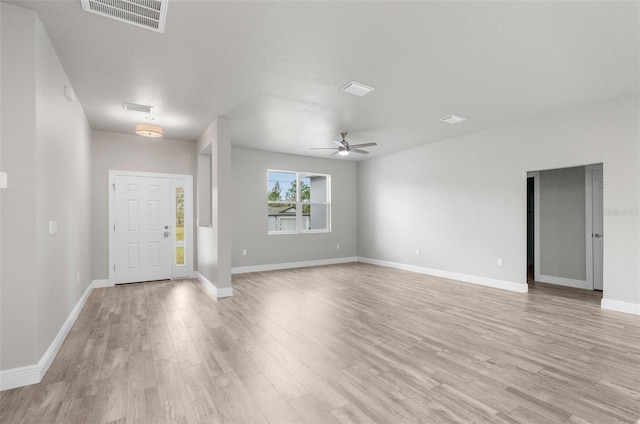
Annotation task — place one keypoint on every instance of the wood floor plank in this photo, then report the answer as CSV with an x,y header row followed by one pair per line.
x,y
175,404
274,407
349,414
311,411
316,384
236,404
351,343
284,382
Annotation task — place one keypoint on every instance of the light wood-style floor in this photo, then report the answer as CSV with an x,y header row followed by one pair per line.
x,y
347,343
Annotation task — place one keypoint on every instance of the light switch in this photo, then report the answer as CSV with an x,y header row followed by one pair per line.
x,y
53,227
3,180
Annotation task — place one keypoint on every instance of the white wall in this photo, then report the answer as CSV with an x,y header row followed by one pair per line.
x,y
562,225
214,242
249,176
203,184
46,151
128,152
462,202
18,290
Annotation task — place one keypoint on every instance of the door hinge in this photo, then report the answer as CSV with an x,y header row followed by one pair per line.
x,y
114,186
114,228
114,267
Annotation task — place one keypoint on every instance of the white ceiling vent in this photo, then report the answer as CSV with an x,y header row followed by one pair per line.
x,y
357,88
136,107
453,119
149,14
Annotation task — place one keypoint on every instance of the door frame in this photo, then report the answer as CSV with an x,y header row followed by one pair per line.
x,y
588,204
536,223
184,180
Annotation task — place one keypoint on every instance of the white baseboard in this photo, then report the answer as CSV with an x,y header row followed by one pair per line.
x,y
217,292
289,265
18,377
33,374
483,281
561,281
98,284
224,292
619,306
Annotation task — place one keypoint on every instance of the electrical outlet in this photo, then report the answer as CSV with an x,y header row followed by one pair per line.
x,y
244,252
499,262
417,252
53,227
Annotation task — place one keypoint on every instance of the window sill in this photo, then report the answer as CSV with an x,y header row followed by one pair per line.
x,y
277,233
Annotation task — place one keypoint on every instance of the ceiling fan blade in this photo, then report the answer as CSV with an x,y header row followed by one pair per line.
x,y
364,145
359,151
323,148
338,143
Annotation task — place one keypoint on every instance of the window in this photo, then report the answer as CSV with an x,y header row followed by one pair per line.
x,y
179,226
298,202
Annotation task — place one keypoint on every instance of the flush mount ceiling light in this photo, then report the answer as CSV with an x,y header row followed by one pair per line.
x,y
149,14
148,130
453,119
356,88
136,107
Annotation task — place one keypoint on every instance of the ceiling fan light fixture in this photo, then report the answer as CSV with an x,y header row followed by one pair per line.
x,y
148,130
344,148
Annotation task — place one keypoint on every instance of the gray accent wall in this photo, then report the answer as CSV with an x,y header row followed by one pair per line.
x,y
462,202
128,152
562,223
46,152
249,230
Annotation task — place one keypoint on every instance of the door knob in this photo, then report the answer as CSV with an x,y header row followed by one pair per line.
x,y
598,235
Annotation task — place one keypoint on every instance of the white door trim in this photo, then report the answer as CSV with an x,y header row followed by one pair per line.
x,y
588,204
189,258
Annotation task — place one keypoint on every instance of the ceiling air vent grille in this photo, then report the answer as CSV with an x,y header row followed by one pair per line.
x,y
148,14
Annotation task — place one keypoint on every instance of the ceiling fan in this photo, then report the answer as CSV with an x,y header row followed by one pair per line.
x,y
344,147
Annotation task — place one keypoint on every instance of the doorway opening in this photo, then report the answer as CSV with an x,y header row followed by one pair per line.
x,y
565,227
530,229
594,224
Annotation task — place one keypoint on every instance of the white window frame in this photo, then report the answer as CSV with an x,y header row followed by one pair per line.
x,y
299,203
174,251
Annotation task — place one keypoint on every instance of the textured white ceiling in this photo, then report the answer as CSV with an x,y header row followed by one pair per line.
x,y
275,68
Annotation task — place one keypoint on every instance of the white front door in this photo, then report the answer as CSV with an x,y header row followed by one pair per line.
x,y
143,217
597,234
